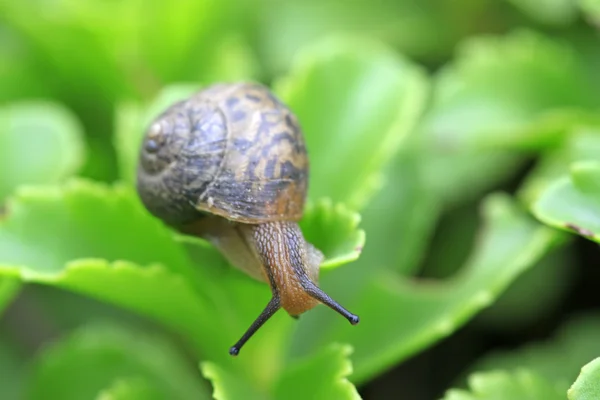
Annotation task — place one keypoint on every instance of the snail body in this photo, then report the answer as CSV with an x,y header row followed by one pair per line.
x,y
229,164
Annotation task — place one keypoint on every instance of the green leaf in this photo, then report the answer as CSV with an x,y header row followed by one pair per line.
x,y
499,99
73,29
573,202
130,389
211,321
591,8
321,376
559,359
233,61
12,369
581,144
128,285
227,386
400,317
47,229
401,217
334,231
535,296
98,240
558,12
516,91
426,30
455,175
81,365
501,385
40,142
48,226
20,77
586,177
356,101
161,43
587,385
9,288
455,234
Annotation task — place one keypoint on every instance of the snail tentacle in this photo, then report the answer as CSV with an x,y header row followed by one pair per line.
x,y
271,308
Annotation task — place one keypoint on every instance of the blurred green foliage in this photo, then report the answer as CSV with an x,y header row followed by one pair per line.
x,y
586,385
420,119
500,385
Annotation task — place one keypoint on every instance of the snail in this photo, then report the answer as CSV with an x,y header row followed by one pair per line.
x,y
229,164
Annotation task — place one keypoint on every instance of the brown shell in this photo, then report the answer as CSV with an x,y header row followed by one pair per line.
x,y
232,150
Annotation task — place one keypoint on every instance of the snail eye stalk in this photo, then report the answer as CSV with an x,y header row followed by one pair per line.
x,y
268,312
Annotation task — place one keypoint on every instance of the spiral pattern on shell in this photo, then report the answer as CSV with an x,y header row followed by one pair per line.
x,y
233,150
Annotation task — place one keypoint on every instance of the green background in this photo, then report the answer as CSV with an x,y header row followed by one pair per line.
x,y
454,190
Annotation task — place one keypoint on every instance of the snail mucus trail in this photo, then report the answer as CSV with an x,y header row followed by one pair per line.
x,y
229,164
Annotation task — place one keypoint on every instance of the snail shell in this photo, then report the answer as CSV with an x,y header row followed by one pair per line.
x,y
230,150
